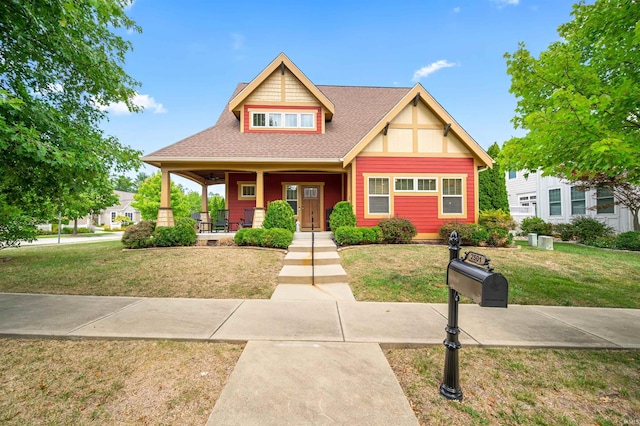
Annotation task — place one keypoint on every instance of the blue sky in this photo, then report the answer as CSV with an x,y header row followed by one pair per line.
x,y
192,54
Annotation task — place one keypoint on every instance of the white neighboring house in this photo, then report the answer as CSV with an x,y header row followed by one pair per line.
x,y
123,208
556,201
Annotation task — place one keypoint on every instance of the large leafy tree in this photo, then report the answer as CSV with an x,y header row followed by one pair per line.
x,y
89,201
124,183
492,186
579,101
60,62
147,199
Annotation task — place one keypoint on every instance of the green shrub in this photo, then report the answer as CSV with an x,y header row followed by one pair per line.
x,y
588,229
535,225
492,219
124,221
279,215
479,235
253,237
371,235
565,231
499,237
348,235
342,215
607,241
182,234
628,241
397,230
238,238
463,229
277,238
139,235
81,230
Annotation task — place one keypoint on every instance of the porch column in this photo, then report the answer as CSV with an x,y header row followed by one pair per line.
x,y
165,213
204,209
258,214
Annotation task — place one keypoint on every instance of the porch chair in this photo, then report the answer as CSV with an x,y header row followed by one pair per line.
x,y
221,222
247,220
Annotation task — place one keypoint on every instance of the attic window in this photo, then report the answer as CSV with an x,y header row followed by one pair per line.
x,y
282,120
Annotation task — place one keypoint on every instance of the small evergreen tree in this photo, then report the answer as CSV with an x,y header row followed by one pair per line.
x,y
493,188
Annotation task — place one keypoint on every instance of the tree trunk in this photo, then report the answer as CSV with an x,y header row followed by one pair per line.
x,y
636,222
75,227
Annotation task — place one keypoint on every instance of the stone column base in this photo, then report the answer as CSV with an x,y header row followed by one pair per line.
x,y
165,217
258,217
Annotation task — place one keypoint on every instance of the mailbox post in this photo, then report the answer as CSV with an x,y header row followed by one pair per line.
x,y
450,387
474,278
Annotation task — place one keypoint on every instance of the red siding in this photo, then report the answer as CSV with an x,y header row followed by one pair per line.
x,y
236,207
421,210
247,118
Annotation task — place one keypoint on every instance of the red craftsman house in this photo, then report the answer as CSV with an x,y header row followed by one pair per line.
x,y
390,151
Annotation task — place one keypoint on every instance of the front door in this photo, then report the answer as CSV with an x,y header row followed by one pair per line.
x,y
311,204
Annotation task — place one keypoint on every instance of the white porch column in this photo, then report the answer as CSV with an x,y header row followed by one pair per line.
x,y
165,213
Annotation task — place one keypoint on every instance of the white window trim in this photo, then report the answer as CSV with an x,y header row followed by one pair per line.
x,y
415,184
387,196
283,120
599,212
461,196
584,201
555,202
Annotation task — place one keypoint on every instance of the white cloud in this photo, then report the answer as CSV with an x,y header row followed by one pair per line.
x,y
430,69
502,3
456,9
238,41
144,101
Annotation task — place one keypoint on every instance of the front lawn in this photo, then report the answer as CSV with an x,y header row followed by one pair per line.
x,y
571,275
104,269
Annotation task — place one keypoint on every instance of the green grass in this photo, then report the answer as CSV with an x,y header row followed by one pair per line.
x,y
104,269
571,275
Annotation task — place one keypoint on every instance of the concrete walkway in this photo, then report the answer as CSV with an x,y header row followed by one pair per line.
x,y
69,239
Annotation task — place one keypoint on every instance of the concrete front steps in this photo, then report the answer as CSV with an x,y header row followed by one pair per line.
x,y
297,275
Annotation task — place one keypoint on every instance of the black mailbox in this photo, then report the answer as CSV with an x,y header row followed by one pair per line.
x,y
488,289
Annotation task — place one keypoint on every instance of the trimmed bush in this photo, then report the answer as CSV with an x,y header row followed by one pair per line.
x,y
588,229
182,234
535,225
348,235
139,235
277,238
608,241
279,215
492,219
238,238
397,230
253,237
371,235
342,215
628,241
565,231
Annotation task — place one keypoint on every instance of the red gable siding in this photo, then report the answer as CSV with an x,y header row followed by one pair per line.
x,y
421,210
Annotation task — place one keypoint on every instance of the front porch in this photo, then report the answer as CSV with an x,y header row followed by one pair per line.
x,y
311,192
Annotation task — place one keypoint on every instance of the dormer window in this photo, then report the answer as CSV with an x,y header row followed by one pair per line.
x,y
282,120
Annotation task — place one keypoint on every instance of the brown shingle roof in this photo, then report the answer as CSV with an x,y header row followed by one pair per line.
x,y
357,111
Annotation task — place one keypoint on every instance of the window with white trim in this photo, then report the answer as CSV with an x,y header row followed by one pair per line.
x,y
129,215
512,174
291,196
415,184
247,191
113,216
578,201
282,120
452,196
379,195
604,201
555,202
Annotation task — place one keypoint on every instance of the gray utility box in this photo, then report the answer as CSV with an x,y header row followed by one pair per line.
x,y
488,289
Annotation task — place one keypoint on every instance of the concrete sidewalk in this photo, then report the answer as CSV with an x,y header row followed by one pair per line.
x,y
229,320
68,239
